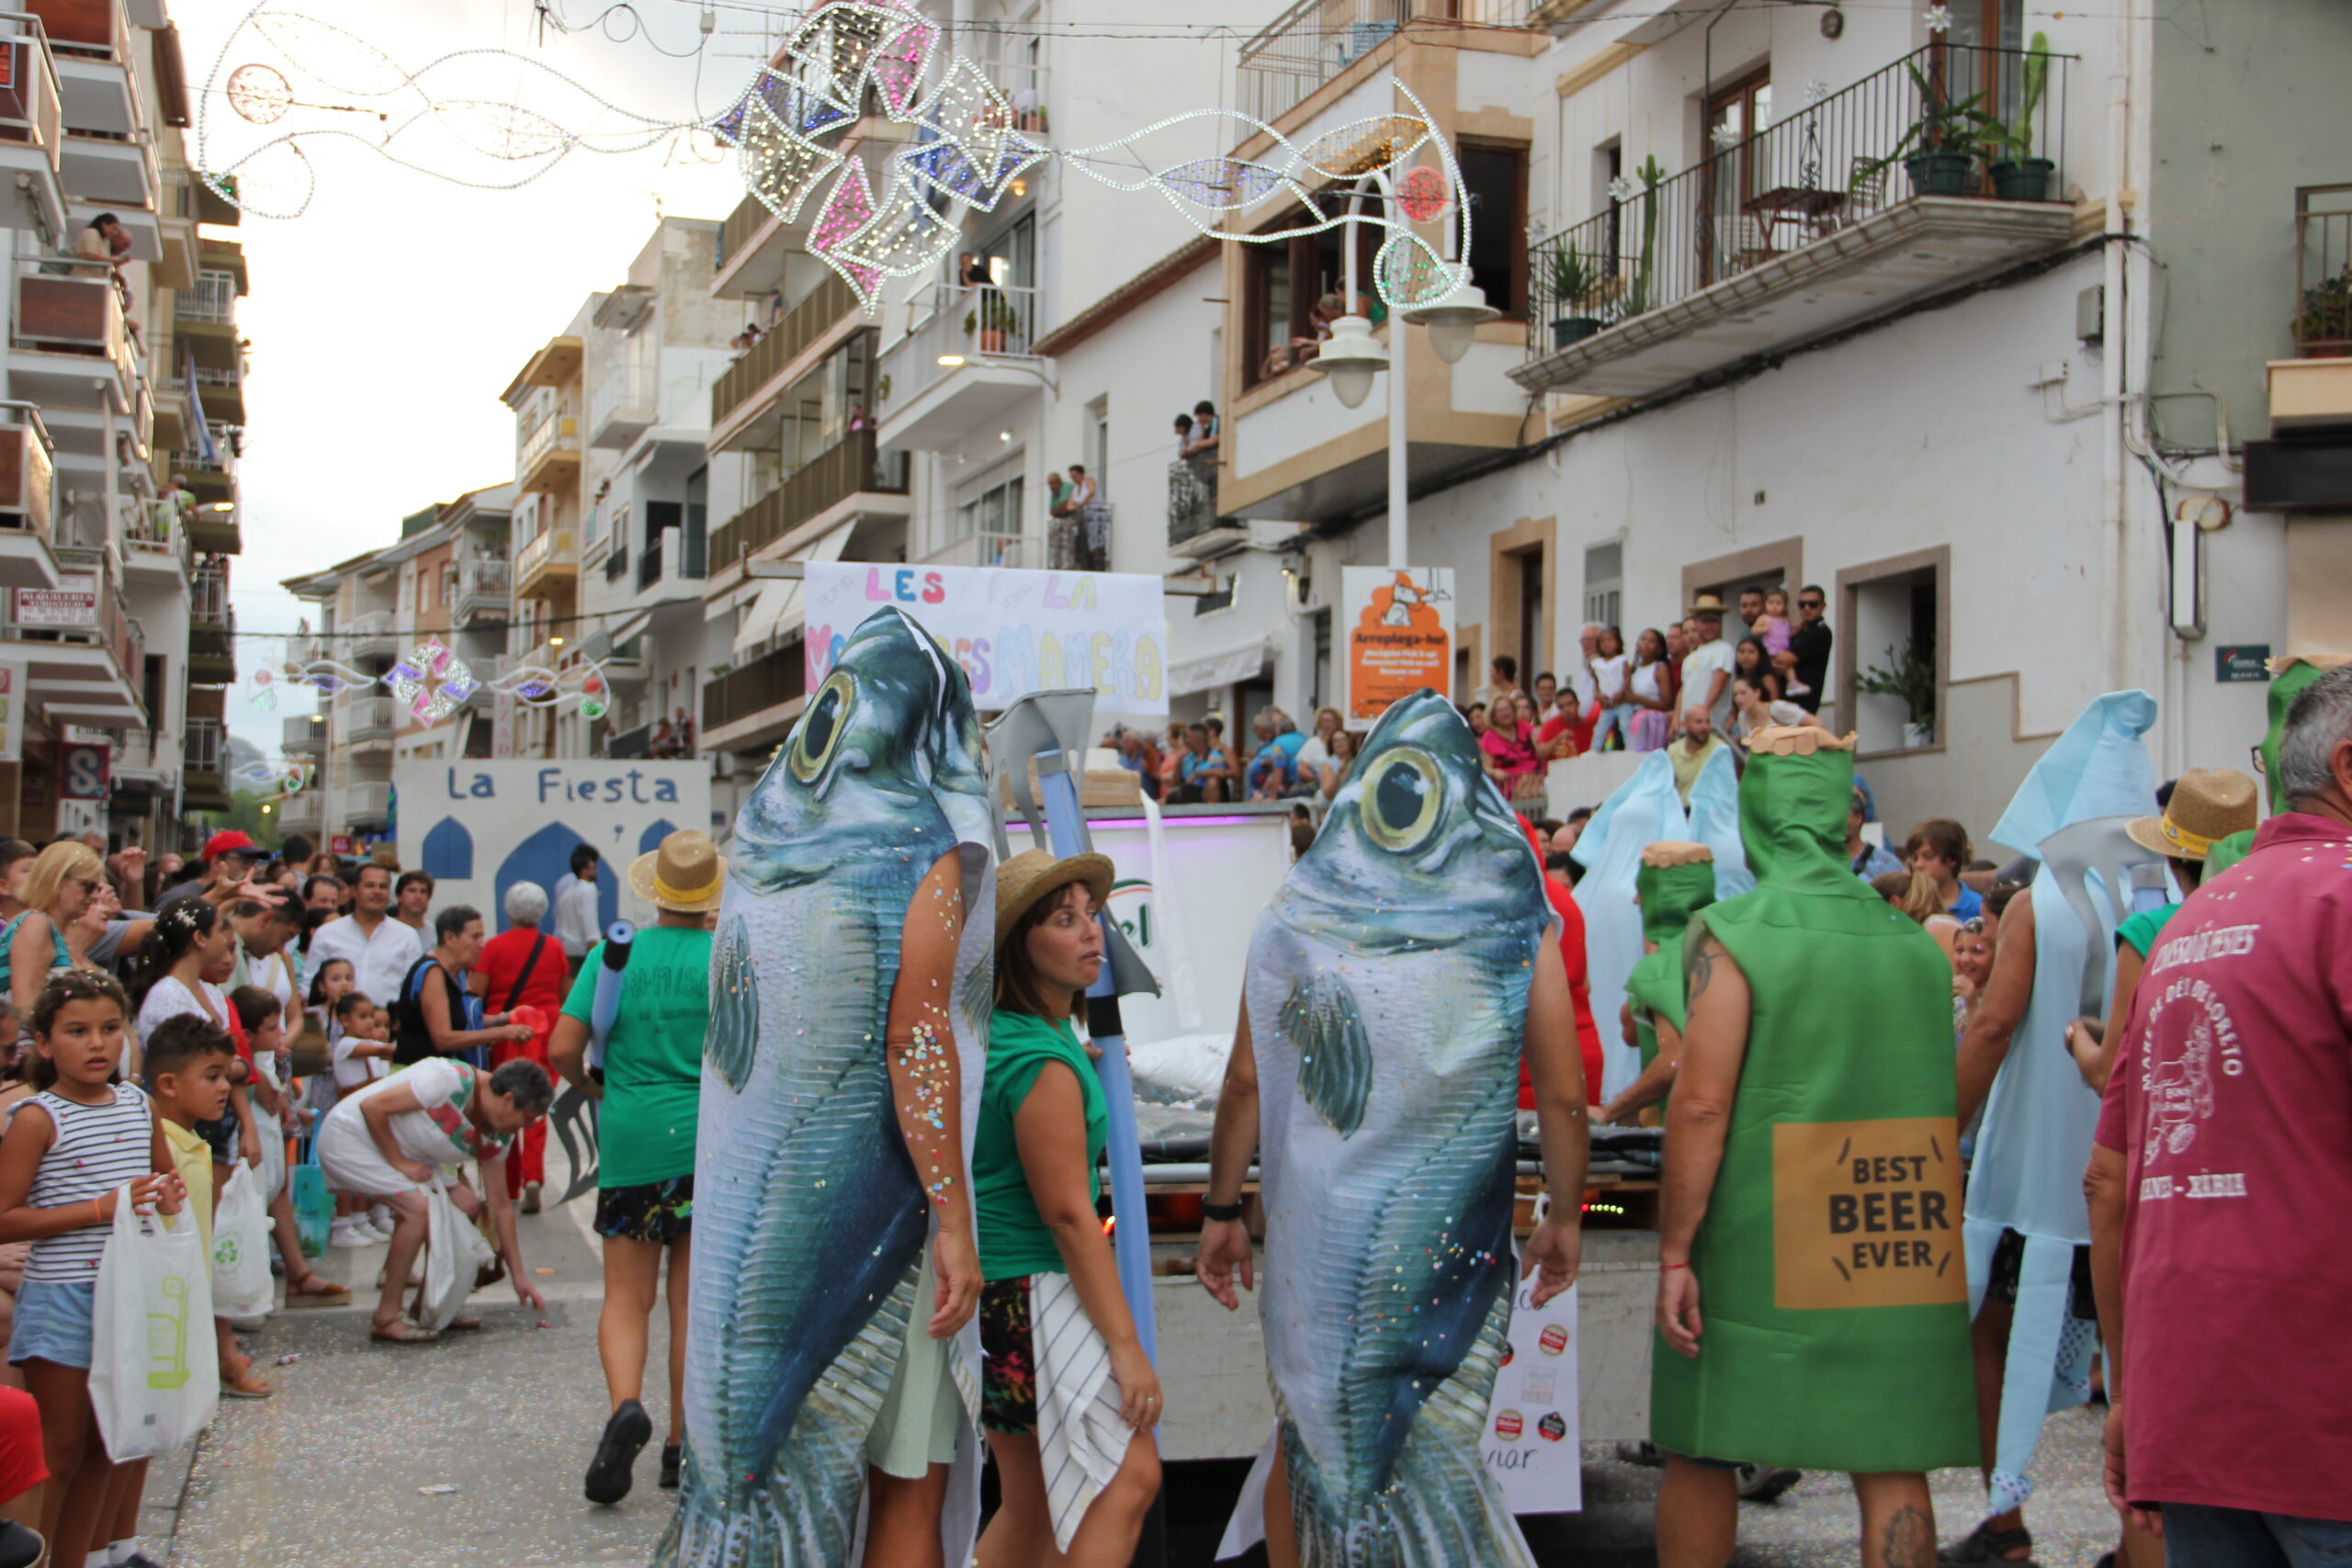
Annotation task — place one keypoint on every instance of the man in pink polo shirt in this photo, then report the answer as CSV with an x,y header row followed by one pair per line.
x,y
2219,1185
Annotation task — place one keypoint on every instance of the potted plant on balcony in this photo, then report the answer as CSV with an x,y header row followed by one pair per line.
x,y
1635,298
994,319
1572,286
2323,325
1942,149
2024,177
1909,674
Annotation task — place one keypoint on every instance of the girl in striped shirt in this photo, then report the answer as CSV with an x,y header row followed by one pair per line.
x,y
67,1151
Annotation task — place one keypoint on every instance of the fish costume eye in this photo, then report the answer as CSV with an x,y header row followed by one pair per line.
x,y
1400,804
820,730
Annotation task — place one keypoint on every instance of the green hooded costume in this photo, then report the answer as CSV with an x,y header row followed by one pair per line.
x,y
1832,1280
2287,683
1669,896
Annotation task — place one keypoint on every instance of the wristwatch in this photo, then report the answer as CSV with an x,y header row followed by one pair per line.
x,y
1221,1210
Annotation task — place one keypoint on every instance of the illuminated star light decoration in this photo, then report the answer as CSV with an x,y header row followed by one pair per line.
x,y
286,77
433,683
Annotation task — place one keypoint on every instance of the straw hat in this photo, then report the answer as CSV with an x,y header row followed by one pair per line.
x,y
1706,604
685,876
1032,873
1796,741
1669,853
2207,804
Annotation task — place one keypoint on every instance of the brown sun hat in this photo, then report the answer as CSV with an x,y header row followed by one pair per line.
x,y
1032,873
2207,804
685,875
1705,605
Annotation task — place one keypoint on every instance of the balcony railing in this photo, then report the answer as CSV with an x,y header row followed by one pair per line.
x,y
2323,325
770,679
214,299
302,812
369,801
552,547
558,431
367,719
1948,120
371,629
108,623
954,325
1315,39
482,581
203,741
758,365
672,555
737,231
302,733
983,549
848,468
67,307
30,114
1191,501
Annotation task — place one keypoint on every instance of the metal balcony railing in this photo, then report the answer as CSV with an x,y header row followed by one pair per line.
x,y
1948,120
552,547
557,431
951,326
31,115
202,754
848,468
369,801
367,719
207,600
802,325
481,579
1315,39
2323,324
1191,501
214,299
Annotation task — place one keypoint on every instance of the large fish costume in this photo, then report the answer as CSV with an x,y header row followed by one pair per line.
x,y
1387,1000
810,1221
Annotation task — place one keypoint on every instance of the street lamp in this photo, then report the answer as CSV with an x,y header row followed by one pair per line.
x,y
1350,358
1454,322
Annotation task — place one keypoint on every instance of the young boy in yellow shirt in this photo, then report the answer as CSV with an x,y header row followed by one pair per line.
x,y
188,1062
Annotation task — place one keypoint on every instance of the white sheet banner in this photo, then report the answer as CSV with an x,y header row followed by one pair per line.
x,y
1014,632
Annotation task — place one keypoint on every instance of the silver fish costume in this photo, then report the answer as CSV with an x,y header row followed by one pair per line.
x,y
810,1221
1387,1003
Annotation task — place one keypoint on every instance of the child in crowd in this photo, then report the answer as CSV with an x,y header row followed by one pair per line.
x,y
264,1019
362,1048
188,1063
1772,629
63,1162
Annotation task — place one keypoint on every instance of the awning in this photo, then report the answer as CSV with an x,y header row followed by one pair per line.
x,y
1217,669
777,608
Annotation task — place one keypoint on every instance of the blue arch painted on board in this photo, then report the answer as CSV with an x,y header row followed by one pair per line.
x,y
651,839
546,858
450,852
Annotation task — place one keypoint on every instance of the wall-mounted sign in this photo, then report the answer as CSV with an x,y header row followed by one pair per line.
x,y
83,771
73,602
1399,637
2242,661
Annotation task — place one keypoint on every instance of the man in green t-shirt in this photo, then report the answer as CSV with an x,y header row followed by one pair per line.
x,y
651,1088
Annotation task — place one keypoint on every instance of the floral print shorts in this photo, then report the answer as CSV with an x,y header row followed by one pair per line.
x,y
1009,1365
660,1211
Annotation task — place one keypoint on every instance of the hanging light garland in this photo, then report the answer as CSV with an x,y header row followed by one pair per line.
x,y
434,682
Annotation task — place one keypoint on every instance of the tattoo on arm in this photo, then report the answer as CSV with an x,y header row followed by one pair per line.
x,y
1699,955
1910,1540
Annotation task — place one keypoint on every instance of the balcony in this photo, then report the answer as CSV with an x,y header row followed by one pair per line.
x,y
547,458
550,560
155,549
212,630
1317,40
366,719
965,362
304,812
754,705
369,635
212,479
1194,530
27,486
627,404
485,587
629,743
67,346
204,320
749,384
303,736
849,479
84,654
672,556
1830,217
212,528
367,804
32,131
986,550
223,393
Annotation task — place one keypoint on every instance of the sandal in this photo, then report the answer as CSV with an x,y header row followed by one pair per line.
x,y
401,1331
245,1386
1986,1548
316,1290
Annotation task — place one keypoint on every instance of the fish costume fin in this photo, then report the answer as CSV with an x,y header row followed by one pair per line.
x,y
734,1007
1440,1509
1335,1055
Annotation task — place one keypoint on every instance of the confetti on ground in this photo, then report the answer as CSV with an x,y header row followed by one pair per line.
x,y
543,1272
435,1491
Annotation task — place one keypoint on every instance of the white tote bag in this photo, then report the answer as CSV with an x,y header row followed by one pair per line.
x,y
453,1252
154,1379
240,1247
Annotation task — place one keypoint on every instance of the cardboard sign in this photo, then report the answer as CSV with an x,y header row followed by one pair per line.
x,y
1867,1213
1399,637
1533,1425
1014,632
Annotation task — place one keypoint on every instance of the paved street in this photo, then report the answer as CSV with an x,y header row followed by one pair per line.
x,y
344,1468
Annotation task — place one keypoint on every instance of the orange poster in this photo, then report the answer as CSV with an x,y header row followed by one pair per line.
x,y
1400,636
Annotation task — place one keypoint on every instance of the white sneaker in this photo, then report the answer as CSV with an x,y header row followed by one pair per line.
x,y
379,1234
351,1236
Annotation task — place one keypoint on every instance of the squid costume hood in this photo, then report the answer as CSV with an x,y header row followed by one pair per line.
x,y
1644,810
2036,1136
1386,996
1834,1292
811,1225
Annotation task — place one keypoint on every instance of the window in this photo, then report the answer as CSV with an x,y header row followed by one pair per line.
x,y
1283,284
1607,168
2000,23
1737,238
1890,620
1604,582
990,516
1495,180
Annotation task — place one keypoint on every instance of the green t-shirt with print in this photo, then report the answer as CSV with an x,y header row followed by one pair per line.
x,y
653,1061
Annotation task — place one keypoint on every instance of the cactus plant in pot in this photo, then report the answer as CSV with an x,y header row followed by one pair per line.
x,y
1572,281
2023,177
1943,151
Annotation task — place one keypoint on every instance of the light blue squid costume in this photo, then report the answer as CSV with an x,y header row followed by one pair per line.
x,y
2036,1136
1644,810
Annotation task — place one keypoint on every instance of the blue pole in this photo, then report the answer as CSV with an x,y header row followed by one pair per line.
x,y
1131,1239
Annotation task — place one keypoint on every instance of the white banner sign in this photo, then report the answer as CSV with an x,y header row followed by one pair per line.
x,y
73,602
481,827
1014,632
12,710
1531,1425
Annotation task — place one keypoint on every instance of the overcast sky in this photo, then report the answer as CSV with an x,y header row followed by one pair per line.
x,y
385,319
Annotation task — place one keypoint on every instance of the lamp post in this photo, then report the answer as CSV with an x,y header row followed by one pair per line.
x,y
1352,356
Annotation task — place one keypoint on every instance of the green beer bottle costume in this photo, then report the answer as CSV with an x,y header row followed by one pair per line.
x,y
2289,673
1677,880
1829,1264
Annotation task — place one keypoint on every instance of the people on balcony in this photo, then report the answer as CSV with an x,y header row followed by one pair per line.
x,y
1199,434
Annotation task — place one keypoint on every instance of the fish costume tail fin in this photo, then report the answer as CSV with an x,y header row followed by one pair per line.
x,y
805,1505
1441,1509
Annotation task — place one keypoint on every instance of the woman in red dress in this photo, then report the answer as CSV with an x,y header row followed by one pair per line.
x,y
524,966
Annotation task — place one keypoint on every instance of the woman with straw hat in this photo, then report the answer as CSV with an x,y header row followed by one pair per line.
x,y
1066,1390
650,1086
2207,805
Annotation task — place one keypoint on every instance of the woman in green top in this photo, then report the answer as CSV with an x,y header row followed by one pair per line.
x,y
1066,1390
650,1086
